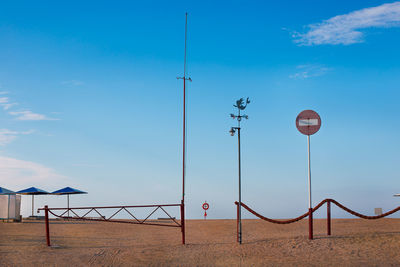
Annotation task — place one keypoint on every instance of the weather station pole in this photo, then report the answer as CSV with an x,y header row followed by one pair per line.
x,y
184,137
240,106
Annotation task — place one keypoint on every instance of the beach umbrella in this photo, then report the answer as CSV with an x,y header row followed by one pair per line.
x,y
68,191
5,191
33,191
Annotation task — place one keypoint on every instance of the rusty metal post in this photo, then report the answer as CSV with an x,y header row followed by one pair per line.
x,y
237,223
328,217
183,222
310,224
46,217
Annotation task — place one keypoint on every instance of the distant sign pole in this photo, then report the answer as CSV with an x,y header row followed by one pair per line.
x,y
205,206
308,122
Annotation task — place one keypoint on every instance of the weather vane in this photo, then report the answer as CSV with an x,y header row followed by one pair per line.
x,y
240,105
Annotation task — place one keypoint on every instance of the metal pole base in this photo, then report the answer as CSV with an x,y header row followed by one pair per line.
x,y
310,224
328,217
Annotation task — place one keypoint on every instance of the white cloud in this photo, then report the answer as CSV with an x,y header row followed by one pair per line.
x,y
7,136
346,29
8,106
309,70
4,102
18,174
72,83
30,116
21,115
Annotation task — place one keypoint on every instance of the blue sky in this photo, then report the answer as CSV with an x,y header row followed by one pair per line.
x,y
89,99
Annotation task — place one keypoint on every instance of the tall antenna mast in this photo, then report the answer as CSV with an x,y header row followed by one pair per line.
x,y
184,136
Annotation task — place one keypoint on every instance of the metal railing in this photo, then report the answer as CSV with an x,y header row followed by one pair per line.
x,y
63,213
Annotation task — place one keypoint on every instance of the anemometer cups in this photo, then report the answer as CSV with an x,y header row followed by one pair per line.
x,y
232,131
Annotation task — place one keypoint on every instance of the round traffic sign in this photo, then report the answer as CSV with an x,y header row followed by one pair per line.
x,y
308,122
205,206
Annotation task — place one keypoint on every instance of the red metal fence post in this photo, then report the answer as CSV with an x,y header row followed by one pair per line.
x,y
237,223
183,222
46,217
310,224
328,216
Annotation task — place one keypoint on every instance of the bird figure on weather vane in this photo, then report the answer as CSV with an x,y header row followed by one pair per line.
x,y
240,105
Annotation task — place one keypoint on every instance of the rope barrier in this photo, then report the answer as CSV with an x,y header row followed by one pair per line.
x,y
361,215
315,209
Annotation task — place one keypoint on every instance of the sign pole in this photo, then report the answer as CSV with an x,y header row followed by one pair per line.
x,y
205,207
310,218
308,122
309,172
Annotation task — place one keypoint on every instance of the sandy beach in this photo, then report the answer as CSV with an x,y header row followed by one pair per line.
x,y
354,242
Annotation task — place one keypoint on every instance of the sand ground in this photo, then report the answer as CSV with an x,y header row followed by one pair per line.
x,y
354,242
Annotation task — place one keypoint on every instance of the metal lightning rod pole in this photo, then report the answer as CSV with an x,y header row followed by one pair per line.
x,y
184,138
184,117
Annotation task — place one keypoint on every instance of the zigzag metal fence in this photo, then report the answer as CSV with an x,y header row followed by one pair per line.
x,y
328,202
99,211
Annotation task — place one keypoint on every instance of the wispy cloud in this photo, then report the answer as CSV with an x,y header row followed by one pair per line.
x,y
72,83
309,70
17,174
25,115
7,136
346,29
28,115
8,105
5,101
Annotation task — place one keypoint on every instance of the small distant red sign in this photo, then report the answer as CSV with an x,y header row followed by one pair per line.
x,y
308,122
205,208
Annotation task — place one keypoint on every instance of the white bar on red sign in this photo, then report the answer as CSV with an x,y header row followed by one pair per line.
x,y
308,122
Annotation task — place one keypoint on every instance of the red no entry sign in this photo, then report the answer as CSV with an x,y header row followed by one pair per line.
x,y
205,206
308,122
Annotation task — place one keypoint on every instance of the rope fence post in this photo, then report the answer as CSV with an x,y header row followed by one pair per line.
x,y
46,217
183,222
328,217
310,223
237,223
